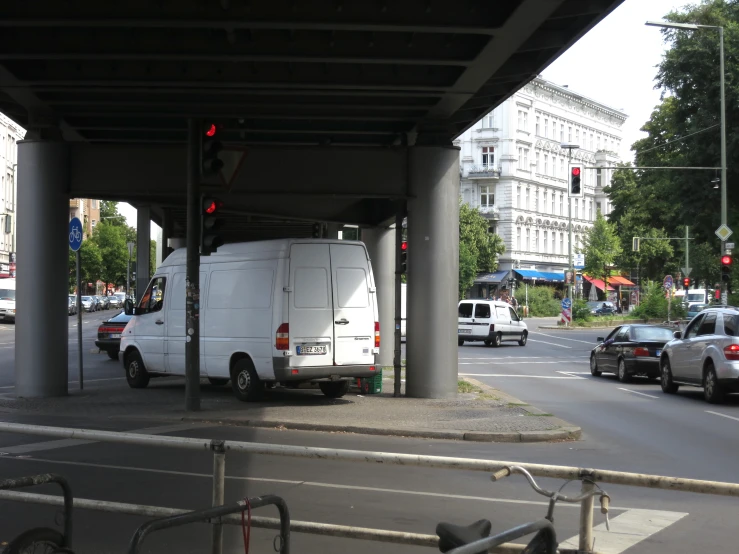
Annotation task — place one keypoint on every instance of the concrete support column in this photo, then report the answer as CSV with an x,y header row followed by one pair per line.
x,y
332,230
433,272
166,233
43,274
380,244
143,241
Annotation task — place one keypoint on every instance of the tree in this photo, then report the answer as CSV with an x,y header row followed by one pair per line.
x,y
91,264
601,247
112,244
109,214
481,247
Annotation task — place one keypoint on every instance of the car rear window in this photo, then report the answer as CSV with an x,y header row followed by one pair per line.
x,y
465,309
652,333
731,325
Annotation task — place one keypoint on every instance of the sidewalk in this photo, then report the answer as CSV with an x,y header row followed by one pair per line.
x,y
485,414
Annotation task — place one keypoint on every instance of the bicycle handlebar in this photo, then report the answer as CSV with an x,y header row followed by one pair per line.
x,y
509,470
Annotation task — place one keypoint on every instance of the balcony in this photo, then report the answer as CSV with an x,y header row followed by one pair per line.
x,y
490,212
482,172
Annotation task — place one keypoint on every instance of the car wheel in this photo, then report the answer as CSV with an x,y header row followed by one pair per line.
x,y
524,338
460,342
594,371
334,389
217,382
136,374
713,392
113,354
668,387
497,340
488,342
622,374
245,382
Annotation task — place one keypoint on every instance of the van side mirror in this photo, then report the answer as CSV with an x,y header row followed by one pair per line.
x,y
677,335
128,307
600,339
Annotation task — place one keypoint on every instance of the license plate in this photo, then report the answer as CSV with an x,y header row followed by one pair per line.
x,y
463,331
312,350
658,353
115,335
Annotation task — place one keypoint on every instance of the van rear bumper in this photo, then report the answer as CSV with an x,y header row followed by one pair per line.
x,y
283,371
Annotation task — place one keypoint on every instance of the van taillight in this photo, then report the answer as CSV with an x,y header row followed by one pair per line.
x,y
492,329
377,334
732,352
283,337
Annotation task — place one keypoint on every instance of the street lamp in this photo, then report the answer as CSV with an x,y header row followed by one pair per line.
x,y
695,27
570,147
128,268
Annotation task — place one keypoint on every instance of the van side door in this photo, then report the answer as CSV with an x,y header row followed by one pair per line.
x,y
150,320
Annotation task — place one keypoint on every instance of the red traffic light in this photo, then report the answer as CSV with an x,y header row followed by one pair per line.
x,y
726,260
210,205
576,171
686,281
210,131
404,245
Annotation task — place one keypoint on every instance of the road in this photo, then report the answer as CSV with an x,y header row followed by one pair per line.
x,y
644,432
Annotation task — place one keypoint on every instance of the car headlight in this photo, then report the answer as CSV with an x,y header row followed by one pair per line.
x,y
11,311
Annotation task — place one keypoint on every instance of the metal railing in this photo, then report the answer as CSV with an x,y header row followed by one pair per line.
x,y
219,448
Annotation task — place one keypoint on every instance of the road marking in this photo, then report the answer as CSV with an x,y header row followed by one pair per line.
x,y
591,342
527,363
65,443
722,415
627,530
552,343
574,374
640,393
516,375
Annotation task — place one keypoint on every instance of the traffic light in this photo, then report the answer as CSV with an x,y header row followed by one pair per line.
x,y
575,180
210,222
210,150
316,231
404,256
686,283
726,268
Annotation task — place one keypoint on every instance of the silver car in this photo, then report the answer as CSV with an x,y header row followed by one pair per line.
x,y
705,355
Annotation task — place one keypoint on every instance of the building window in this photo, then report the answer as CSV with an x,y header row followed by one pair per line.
x,y
554,166
597,207
518,238
525,121
546,164
553,201
487,198
561,204
577,136
561,132
528,240
488,157
518,197
95,204
591,141
544,249
520,159
94,223
538,166
577,205
489,120
526,159
562,168
520,120
544,203
561,243
598,177
536,240
590,210
537,126
493,230
569,134
546,128
598,142
528,202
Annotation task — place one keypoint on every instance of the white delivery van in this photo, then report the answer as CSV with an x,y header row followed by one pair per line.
x,y
280,311
7,299
490,321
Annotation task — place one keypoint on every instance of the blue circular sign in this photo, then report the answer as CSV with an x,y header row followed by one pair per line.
x,y
566,303
75,233
667,282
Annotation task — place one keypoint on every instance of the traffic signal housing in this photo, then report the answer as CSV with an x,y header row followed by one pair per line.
x,y
316,234
726,268
575,180
404,256
210,222
686,283
210,150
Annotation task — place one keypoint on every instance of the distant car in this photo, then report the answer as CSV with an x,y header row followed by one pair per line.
x,y
695,309
630,350
114,301
601,308
104,302
705,355
89,304
109,334
72,308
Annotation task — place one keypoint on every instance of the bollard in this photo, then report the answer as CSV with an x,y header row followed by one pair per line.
x,y
219,491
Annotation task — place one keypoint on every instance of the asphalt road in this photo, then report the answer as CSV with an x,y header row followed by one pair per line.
x,y
622,430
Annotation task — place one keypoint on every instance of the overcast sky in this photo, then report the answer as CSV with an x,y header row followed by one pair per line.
x,y
613,64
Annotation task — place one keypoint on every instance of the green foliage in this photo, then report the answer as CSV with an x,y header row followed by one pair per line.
x,y
109,214
478,247
580,310
111,240
653,303
91,264
601,247
542,301
467,268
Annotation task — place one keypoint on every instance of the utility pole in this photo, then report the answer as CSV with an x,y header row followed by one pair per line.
x,y
570,147
687,252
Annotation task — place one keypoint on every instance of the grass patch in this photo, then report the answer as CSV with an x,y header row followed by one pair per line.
x,y
464,386
486,396
539,415
515,404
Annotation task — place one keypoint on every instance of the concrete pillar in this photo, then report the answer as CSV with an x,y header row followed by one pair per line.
x,y
43,274
166,233
143,240
380,244
332,230
433,272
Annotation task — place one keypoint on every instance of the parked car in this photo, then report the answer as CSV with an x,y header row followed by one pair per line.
x,y
630,350
114,301
695,309
89,304
72,308
104,302
601,308
109,334
705,355
490,321
7,299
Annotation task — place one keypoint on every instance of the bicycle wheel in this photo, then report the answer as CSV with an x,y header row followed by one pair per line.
x,y
37,541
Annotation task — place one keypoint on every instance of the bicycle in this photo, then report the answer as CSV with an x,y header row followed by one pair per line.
x,y
474,539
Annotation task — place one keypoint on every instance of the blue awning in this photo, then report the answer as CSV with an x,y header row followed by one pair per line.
x,y
551,276
530,274
495,278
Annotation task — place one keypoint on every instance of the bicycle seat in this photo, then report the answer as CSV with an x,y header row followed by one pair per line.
x,y
452,536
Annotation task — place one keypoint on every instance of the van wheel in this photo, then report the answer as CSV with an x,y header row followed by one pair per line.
x,y
245,381
460,342
497,340
334,389
136,374
113,354
524,338
217,382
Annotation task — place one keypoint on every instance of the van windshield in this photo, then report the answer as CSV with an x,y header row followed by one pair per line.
x,y
7,294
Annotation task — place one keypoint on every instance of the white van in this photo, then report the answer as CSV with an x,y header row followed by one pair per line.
x,y
280,311
7,299
490,321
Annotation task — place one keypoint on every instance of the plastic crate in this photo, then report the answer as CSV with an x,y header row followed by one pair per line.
x,y
370,385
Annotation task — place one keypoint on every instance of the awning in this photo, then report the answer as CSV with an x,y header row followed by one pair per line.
x,y
530,274
551,276
620,281
494,278
597,283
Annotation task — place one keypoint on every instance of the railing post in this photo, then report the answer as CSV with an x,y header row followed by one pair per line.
x,y
219,491
586,512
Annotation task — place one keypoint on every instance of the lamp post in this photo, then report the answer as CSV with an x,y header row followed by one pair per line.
x,y
570,265
128,268
695,27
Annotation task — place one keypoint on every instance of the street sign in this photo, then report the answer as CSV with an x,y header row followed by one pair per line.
x,y
579,261
686,271
75,233
723,232
566,317
667,282
634,298
729,245
566,303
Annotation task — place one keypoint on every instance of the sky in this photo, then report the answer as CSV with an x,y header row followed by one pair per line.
x,y
615,64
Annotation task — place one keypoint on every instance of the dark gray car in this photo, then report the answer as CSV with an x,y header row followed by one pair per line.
x,y
630,350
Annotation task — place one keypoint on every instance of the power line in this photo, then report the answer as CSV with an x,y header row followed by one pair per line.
x,y
679,139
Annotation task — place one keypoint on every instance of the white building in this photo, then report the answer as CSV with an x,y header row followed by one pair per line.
x,y
10,134
515,171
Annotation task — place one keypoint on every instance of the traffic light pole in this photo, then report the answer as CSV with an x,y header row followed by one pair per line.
x,y
192,284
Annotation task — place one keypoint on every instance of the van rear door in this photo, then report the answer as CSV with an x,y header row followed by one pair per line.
x,y
310,313
354,305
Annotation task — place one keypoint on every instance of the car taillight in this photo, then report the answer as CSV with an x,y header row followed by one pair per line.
x,y
282,341
492,329
641,351
377,334
110,330
732,352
